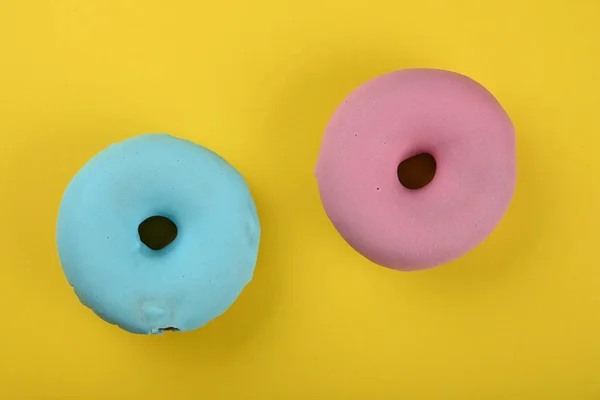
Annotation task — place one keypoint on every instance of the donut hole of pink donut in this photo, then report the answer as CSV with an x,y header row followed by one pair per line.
x,y
417,171
417,167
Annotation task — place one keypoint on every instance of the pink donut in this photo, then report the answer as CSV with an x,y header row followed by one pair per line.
x,y
393,118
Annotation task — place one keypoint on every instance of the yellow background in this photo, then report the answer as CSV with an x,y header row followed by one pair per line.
x,y
256,81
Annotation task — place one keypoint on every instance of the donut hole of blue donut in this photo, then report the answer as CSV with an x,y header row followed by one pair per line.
x,y
157,232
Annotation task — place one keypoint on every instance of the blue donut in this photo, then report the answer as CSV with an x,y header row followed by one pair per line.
x,y
201,225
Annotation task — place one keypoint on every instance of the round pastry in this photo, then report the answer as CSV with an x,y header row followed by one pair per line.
x,y
417,167
158,234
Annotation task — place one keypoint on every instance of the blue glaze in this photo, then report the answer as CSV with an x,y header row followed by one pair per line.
x,y
184,285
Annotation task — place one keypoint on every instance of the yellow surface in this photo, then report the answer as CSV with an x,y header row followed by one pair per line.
x,y
518,318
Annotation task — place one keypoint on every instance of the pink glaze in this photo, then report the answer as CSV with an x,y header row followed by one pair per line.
x,y
398,115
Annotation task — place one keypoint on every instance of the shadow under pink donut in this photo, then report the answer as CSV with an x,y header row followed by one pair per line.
x,y
397,116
